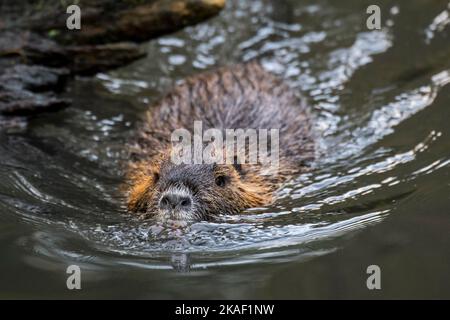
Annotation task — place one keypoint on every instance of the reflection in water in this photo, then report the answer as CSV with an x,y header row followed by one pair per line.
x,y
60,179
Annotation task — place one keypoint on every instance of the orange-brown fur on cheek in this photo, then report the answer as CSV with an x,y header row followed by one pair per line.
x,y
253,190
256,193
141,177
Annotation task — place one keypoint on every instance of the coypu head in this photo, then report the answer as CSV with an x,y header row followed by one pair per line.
x,y
194,192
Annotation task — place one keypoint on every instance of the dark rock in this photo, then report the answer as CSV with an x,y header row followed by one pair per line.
x,y
26,103
38,52
23,90
31,48
35,78
91,59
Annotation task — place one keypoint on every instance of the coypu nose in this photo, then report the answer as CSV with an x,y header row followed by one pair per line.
x,y
172,201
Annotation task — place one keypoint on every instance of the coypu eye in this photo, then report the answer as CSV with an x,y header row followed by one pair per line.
x,y
155,177
221,181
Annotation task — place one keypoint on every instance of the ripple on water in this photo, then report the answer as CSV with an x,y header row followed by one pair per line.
x,y
67,185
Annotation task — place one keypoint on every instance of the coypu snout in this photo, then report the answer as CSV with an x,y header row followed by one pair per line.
x,y
174,201
177,204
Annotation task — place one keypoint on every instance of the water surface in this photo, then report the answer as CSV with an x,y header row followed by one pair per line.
x,y
379,193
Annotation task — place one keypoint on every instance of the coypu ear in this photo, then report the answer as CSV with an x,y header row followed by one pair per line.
x,y
238,167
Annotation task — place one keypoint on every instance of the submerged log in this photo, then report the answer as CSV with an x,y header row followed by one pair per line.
x,y
105,21
38,52
31,48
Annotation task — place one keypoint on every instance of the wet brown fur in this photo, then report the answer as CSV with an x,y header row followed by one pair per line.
x,y
242,96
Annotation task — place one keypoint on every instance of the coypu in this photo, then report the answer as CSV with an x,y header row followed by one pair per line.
x,y
240,96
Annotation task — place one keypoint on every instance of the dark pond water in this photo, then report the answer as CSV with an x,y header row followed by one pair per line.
x,y
380,194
